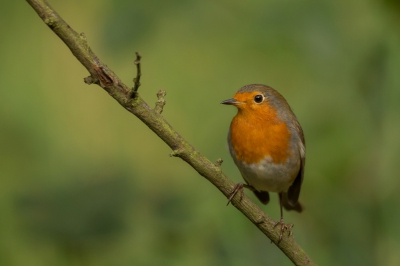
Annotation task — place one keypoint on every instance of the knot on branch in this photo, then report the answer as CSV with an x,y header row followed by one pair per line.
x,y
101,76
83,37
260,219
160,102
105,78
219,162
50,22
89,80
176,153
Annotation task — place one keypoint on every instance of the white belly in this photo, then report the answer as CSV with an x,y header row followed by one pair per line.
x,y
268,176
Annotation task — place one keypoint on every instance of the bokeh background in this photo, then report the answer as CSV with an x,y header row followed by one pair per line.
x,y
84,182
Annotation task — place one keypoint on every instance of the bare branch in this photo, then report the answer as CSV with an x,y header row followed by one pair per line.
x,y
101,75
138,73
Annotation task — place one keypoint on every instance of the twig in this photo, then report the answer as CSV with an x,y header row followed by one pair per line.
x,y
103,76
161,101
138,73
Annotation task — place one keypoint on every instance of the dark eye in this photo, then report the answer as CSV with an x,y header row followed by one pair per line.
x,y
258,98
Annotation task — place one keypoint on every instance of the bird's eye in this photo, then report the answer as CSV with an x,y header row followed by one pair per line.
x,y
258,98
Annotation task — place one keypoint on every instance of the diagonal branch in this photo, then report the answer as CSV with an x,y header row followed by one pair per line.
x,y
101,75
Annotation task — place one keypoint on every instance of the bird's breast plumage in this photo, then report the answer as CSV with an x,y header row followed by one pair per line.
x,y
262,148
254,136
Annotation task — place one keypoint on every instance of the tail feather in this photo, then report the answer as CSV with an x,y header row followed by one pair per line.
x,y
288,206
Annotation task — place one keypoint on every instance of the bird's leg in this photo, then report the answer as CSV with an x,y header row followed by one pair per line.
x,y
239,187
284,226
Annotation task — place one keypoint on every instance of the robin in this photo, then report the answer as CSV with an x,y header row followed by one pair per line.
x,y
267,144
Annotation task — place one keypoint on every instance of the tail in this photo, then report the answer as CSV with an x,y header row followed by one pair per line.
x,y
285,203
263,196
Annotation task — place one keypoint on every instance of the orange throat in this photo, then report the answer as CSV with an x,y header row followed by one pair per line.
x,y
259,135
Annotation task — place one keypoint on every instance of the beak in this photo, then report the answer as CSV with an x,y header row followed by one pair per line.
x,y
232,101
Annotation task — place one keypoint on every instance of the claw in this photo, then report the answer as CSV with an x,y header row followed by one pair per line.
x,y
238,187
284,227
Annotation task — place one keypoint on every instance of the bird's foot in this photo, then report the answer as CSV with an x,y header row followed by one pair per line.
x,y
284,227
238,187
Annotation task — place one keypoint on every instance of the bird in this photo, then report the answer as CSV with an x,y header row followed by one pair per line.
x,y
267,144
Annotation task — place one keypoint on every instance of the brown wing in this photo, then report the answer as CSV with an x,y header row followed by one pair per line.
x,y
294,190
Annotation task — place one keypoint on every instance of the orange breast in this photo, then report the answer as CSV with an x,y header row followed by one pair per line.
x,y
255,135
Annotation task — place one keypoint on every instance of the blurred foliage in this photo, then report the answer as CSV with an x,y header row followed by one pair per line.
x,y
75,213
83,182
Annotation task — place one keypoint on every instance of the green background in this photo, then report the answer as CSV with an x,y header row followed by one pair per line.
x,y
84,182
